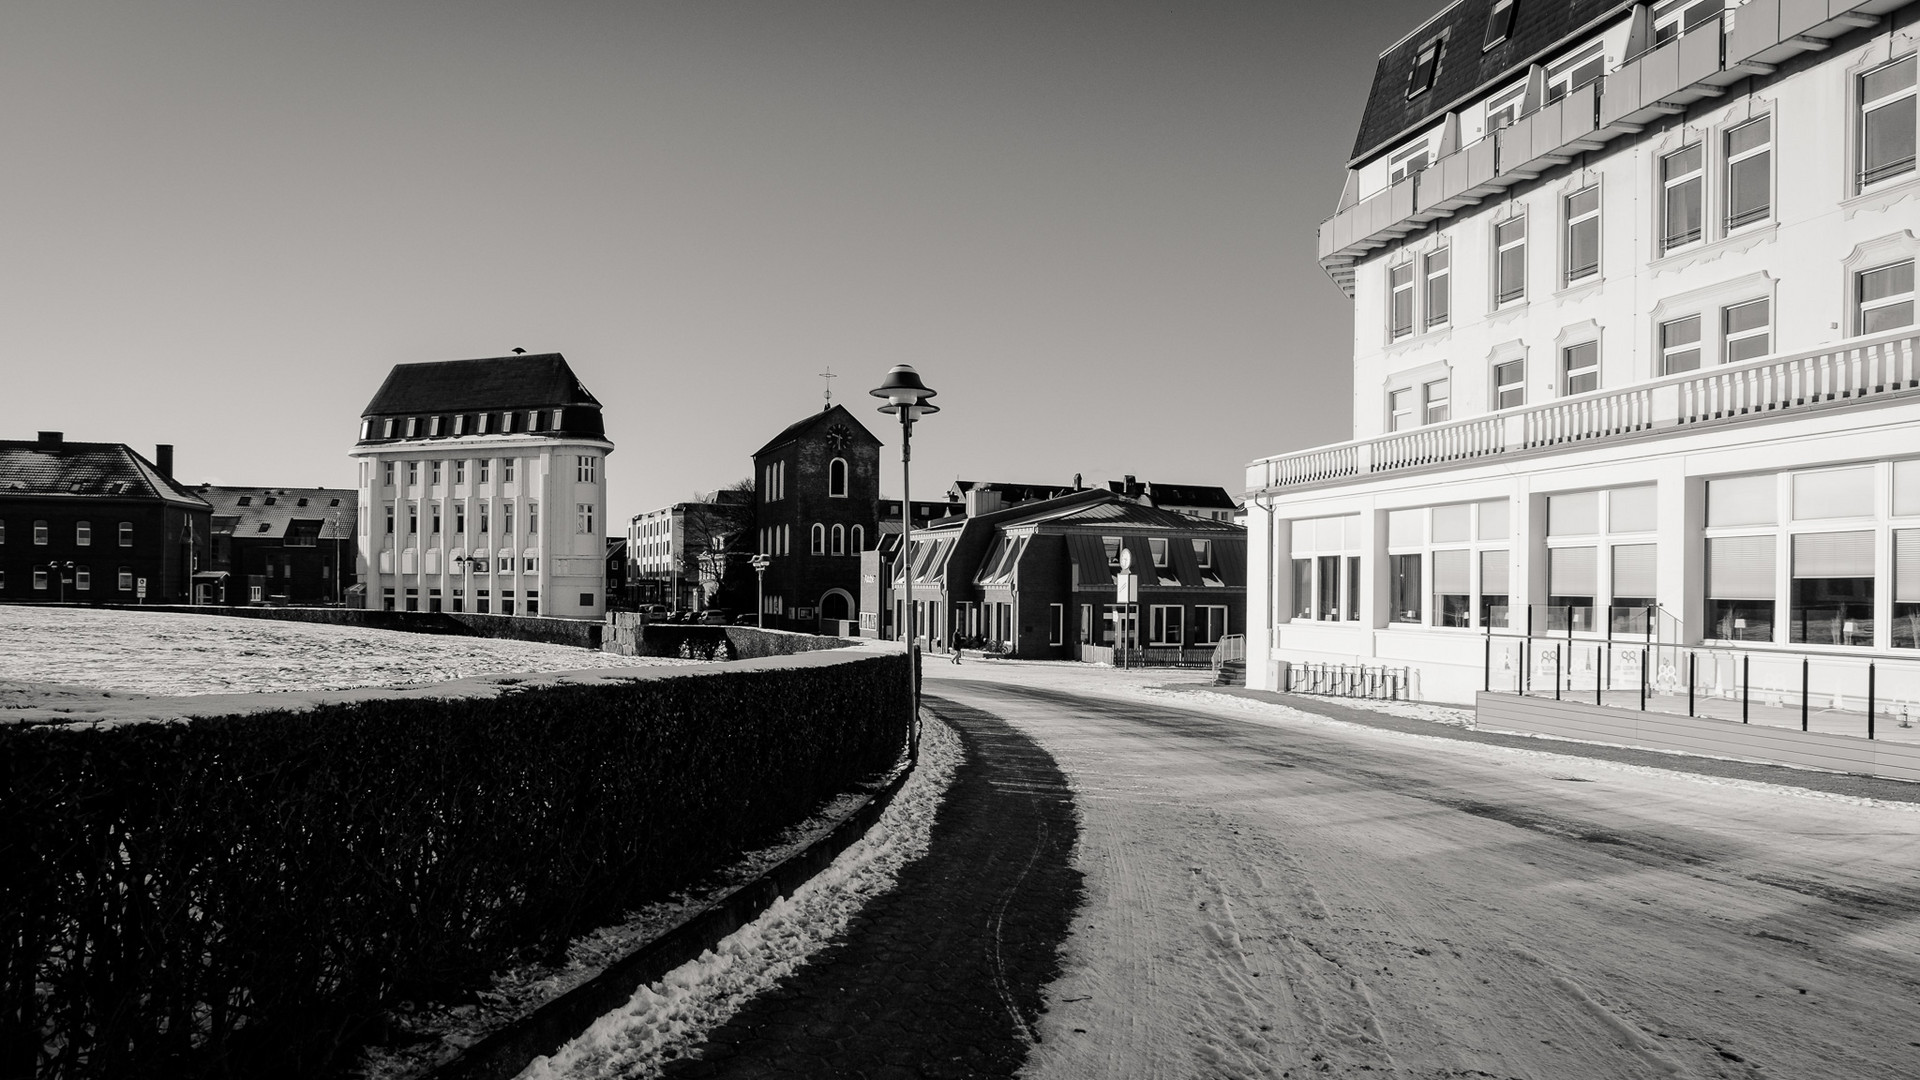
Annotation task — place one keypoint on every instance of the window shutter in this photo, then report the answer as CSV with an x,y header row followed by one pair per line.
x,y
1452,524
1741,500
1740,568
1833,555
1403,528
1632,510
1833,493
1571,571
1493,573
1452,572
1906,566
1576,514
1633,570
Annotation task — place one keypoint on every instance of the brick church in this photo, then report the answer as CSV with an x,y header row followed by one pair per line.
x,y
816,507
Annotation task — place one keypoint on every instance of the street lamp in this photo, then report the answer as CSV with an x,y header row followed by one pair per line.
x,y
907,396
60,569
760,563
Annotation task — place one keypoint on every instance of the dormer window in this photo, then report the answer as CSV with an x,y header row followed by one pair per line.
x,y
433,426
1499,23
246,500
557,425
1112,544
460,424
1408,162
1426,64
1576,71
268,501
300,502
413,426
386,428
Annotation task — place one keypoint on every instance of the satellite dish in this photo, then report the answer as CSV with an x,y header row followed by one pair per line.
x,y
1126,560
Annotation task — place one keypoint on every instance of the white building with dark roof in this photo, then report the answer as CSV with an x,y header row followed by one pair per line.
x,y
1634,360
483,489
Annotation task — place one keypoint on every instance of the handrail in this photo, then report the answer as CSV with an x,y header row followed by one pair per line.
x,y
1852,369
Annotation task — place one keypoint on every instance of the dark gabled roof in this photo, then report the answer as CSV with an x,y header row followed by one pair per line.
x,y
319,518
1197,495
1016,492
1540,28
807,423
528,381
1117,510
81,470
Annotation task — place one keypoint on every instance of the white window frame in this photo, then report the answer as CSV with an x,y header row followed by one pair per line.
x,y
1861,306
1441,278
1734,159
839,545
1561,75
1436,401
1729,338
1499,23
584,470
1400,405
1569,273
837,470
1057,615
1669,350
1426,66
1568,372
1518,385
819,542
1409,161
1866,107
507,470
1159,547
1399,292
1158,623
1204,624
1504,107
83,534
1671,183
583,519
1500,249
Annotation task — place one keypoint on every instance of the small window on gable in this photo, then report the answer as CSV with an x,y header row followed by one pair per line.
x,y
1499,23
1426,64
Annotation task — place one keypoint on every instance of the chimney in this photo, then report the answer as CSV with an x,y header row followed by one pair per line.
x,y
163,459
50,442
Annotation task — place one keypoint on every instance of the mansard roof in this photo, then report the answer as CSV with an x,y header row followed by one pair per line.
x,y
85,470
525,381
792,432
274,513
1467,69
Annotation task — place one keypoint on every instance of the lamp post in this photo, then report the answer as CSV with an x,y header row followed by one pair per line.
x,y
760,563
60,568
907,396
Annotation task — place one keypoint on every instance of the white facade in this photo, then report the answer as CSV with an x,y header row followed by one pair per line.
x,y
1651,346
504,524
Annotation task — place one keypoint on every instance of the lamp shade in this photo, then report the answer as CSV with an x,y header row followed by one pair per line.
x,y
903,387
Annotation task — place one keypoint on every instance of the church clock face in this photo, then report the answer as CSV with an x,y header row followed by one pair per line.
x,y
838,438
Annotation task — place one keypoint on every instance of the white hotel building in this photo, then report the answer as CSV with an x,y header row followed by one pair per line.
x,y
483,489
1634,329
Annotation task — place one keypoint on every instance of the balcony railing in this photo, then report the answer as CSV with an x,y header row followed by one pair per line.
x,y
1869,367
1659,82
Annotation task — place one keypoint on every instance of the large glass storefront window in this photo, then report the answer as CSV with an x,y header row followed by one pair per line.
x,y
1303,588
1832,589
1403,574
1326,578
1740,588
1906,588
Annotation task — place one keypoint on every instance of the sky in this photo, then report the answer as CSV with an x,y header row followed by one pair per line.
x,y
1090,226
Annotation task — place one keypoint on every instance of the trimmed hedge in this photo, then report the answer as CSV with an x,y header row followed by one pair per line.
x,y
244,895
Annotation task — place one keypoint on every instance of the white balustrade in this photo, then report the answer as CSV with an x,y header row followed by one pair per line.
x,y
1861,368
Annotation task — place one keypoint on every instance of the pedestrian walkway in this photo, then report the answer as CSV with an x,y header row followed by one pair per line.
x,y
1870,787
941,977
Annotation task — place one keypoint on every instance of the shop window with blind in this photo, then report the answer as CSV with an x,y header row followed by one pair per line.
x,y
1601,557
1326,568
1906,588
1740,568
1447,563
1406,540
1832,589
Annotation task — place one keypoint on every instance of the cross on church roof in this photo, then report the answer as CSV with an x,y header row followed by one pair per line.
x,y
829,375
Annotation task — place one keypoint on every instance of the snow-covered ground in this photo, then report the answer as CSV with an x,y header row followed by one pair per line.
x,y
665,1019
1271,893
176,653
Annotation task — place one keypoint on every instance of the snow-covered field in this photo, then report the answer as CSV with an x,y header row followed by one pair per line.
x,y
174,653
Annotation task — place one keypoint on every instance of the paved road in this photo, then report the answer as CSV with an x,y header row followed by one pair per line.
x,y
1290,899
942,977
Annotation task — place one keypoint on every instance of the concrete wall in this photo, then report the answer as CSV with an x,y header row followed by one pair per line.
x,y
628,634
1693,735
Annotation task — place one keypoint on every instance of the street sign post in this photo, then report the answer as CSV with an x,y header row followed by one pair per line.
x,y
1126,593
140,590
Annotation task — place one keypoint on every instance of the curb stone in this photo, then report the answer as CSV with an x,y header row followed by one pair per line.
x,y
506,1051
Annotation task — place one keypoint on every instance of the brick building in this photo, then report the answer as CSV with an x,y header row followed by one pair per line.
x,y
282,545
816,508
1035,579
93,522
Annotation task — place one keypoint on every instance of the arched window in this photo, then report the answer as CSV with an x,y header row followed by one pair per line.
x,y
819,539
839,540
837,478
859,540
